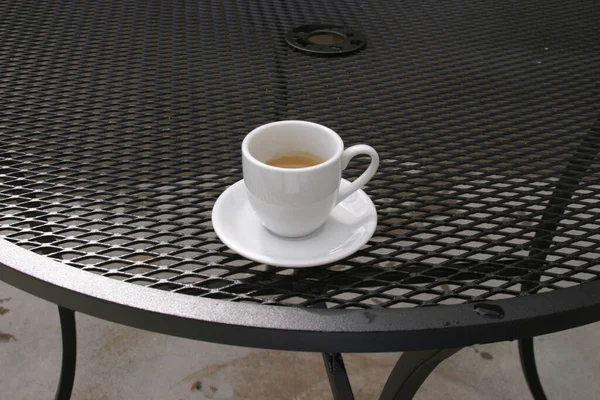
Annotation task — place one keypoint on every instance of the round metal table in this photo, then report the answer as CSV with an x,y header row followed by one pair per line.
x,y
121,123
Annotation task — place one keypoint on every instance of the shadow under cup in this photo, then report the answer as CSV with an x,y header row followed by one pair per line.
x,y
292,202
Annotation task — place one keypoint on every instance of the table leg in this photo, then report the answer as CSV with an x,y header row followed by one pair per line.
x,y
410,372
526,351
338,377
69,355
585,155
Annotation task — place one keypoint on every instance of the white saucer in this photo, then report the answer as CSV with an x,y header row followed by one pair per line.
x,y
350,225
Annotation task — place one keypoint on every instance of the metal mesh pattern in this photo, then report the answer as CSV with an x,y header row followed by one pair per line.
x,y
121,123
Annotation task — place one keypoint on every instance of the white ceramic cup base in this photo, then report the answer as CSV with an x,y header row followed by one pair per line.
x,y
349,226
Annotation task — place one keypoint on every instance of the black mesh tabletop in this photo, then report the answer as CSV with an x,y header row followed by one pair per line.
x,y
121,123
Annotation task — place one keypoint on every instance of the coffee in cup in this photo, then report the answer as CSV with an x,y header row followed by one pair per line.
x,y
295,159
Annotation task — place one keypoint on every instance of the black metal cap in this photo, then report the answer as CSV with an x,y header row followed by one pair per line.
x,y
326,40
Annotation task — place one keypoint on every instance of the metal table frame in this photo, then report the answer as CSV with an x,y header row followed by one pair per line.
x,y
285,328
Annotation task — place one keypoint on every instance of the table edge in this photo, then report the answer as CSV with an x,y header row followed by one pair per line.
x,y
293,328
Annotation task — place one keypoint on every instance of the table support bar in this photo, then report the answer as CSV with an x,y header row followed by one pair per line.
x,y
69,355
338,377
526,352
410,372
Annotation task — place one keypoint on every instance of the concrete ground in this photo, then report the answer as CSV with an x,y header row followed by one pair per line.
x,y
116,362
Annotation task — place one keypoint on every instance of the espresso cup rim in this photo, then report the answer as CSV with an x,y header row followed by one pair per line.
x,y
256,131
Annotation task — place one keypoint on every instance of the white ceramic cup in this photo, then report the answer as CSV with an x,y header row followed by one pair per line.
x,y
294,202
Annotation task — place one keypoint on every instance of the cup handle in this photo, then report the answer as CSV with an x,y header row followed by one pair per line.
x,y
366,176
